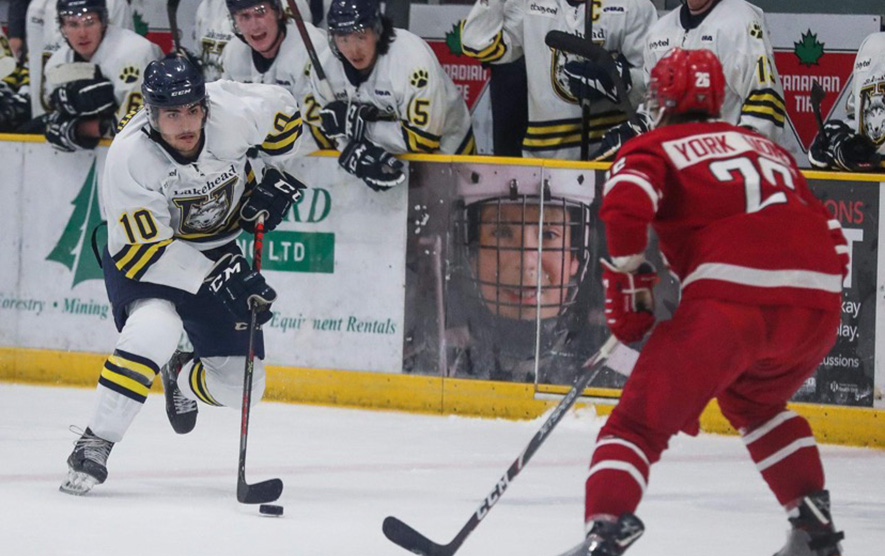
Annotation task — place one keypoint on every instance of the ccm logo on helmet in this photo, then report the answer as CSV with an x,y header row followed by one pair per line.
x,y
182,92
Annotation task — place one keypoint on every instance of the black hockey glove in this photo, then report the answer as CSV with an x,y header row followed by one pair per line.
x,y
588,80
238,286
839,147
85,97
615,137
273,197
379,169
15,108
339,119
61,133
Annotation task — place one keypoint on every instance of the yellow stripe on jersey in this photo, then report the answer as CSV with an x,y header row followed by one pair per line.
x,y
288,130
135,259
418,140
322,141
198,384
468,145
562,134
491,53
767,104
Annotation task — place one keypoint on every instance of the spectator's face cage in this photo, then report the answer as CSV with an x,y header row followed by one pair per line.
x,y
522,251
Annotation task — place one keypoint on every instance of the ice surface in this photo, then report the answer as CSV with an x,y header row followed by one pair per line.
x,y
345,470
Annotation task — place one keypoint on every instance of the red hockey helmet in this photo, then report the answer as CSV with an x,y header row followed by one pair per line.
x,y
686,81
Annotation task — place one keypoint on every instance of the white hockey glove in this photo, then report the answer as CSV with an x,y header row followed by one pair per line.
x,y
379,169
273,198
588,80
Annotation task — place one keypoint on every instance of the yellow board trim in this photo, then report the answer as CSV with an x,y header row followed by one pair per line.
x,y
426,394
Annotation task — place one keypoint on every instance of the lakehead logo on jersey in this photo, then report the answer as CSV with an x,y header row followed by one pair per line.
x,y
799,67
872,109
206,214
74,248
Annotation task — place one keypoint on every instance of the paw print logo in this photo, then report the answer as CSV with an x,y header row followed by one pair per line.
x,y
756,30
420,77
129,74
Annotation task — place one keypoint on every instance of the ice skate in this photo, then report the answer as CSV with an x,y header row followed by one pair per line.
x,y
813,533
87,464
609,538
182,411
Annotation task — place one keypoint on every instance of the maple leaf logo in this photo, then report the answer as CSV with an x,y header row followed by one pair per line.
x,y
139,25
453,39
809,51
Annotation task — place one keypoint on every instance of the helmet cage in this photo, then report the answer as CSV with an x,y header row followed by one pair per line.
x,y
573,222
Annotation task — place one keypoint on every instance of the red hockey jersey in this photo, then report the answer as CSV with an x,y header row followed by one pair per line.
x,y
734,216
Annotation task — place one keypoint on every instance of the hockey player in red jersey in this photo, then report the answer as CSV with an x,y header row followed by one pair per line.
x,y
761,265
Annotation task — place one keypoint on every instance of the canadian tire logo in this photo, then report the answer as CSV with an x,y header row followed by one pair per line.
x,y
74,248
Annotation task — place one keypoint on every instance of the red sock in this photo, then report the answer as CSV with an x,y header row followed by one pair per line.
x,y
786,454
618,477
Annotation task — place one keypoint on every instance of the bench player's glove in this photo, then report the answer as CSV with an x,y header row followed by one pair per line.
x,y
839,147
379,169
340,119
588,80
239,287
615,137
61,133
85,97
15,108
629,301
273,198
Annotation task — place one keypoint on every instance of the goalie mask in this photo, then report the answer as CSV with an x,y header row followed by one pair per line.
x,y
172,82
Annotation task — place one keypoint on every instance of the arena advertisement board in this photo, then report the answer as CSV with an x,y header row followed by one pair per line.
x,y
336,262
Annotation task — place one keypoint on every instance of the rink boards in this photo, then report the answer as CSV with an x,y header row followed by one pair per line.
x,y
344,262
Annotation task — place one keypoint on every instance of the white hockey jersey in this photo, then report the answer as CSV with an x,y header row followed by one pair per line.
x,y
425,111
212,31
867,100
736,32
44,38
290,69
163,211
121,58
499,31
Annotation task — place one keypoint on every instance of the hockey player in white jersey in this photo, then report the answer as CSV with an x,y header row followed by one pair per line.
x,y
736,32
178,186
44,38
391,96
500,31
211,33
271,51
94,80
860,146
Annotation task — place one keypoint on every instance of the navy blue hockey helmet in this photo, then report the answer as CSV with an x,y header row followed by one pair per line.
x,y
67,8
351,16
170,82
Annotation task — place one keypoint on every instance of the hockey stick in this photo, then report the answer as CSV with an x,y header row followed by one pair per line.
x,y
326,89
817,97
172,12
574,44
410,539
585,103
270,490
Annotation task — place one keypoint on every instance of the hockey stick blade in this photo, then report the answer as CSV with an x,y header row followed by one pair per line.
x,y
402,534
259,493
413,541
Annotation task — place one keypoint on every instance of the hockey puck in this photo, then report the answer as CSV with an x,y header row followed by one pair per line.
x,y
270,509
